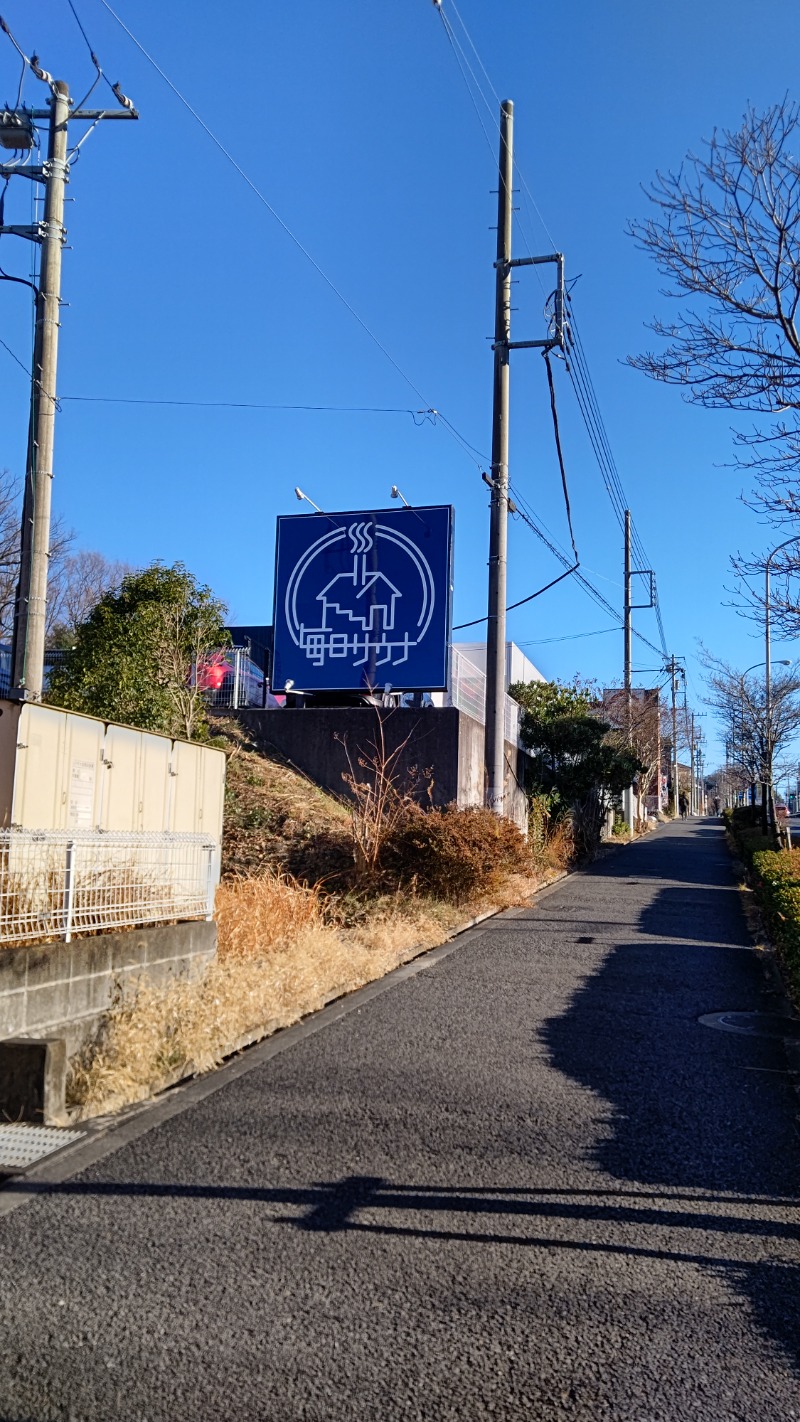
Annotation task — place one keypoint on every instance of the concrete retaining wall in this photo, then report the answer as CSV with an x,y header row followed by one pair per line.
x,y
62,990
439,738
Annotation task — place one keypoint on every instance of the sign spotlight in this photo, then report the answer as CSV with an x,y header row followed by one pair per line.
x,y
298,493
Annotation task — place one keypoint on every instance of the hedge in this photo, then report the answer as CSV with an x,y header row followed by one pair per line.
x,y
744,828
776,881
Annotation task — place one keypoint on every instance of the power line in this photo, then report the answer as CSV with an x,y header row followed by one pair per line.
x,y
590,410
479,87
530,519
244,405
568,637
276,215
476,621
16,358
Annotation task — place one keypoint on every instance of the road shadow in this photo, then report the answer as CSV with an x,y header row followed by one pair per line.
x,y
685,854
687,1107
701,915
371,1205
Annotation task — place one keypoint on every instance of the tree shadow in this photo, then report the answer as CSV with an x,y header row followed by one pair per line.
x,y
696,914
689,1108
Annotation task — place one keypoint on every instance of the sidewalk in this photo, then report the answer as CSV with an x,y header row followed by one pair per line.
x,y
523,1183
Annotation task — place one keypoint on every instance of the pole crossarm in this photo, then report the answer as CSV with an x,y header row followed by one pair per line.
x,y
87,115
33,233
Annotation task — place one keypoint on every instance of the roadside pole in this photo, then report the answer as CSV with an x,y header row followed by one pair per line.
x,y
30,609
31,604
498,531
673,670
627,664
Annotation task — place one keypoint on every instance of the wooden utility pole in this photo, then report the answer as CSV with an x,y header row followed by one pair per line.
x,y
498,531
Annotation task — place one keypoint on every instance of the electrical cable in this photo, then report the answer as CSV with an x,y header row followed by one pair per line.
x,y
554,412
590,410
240,405
568,637
23,56
496,96
273,212
477,620
14,357
455,47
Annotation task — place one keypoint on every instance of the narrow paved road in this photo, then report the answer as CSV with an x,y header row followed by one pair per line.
x,y
524,1183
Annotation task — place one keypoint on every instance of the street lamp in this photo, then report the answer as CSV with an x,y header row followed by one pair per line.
x,y
782,662
768,672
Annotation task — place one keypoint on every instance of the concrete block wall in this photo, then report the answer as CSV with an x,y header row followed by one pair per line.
x,y
62,990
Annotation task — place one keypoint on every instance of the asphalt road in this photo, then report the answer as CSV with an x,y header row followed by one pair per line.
x,y
522,1183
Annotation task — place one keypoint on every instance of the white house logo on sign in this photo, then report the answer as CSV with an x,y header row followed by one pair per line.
x,y
375,609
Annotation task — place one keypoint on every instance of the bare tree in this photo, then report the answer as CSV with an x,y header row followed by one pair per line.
x,y
76,580
76,583
636,724
755,742
62,539
726,235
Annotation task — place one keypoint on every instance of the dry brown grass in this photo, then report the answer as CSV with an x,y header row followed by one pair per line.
x,y
280,957
275,818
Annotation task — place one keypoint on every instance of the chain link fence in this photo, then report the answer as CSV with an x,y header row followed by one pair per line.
x,y
56,883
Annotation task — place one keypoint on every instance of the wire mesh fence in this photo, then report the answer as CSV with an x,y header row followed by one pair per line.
x,y
468,694
56,883
229,679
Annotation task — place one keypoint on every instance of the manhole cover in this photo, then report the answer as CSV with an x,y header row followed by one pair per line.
x,y
22,1145
754,1024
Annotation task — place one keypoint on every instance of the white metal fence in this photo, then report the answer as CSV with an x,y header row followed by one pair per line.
x,y
468,694
55,883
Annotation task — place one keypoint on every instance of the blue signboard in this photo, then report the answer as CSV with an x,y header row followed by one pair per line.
x,y
363,599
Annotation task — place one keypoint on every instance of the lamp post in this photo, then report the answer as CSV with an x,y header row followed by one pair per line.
x,y
783,662
768,674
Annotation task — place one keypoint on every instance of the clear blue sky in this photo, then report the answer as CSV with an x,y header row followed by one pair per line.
x,y
352,118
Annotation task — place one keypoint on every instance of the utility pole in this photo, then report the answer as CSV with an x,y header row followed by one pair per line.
x,y
498,531
628,663
27,656
494,745
30,611
672,668
691,764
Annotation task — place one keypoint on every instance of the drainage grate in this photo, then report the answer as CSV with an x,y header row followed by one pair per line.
x,y
22,1145
754,1024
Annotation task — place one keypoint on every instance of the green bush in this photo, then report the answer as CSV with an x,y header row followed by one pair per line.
x,y
777,885
744,827
453,854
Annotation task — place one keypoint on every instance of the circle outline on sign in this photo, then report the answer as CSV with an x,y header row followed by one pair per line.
x,y
382,531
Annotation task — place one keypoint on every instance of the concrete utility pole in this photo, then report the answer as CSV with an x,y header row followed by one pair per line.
x,y
692,794
672,667
627,664
27,664
494,752
17,130
498,531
